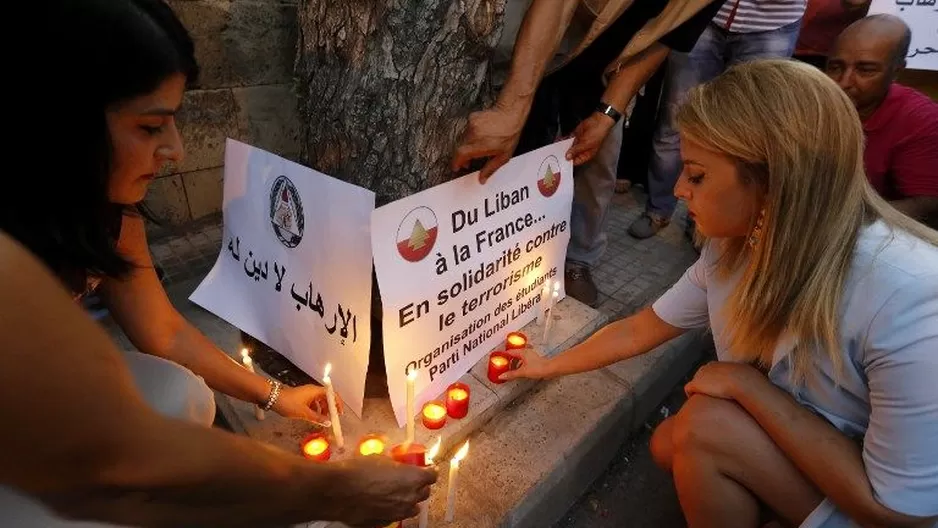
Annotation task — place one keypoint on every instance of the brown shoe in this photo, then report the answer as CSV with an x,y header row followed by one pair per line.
x,y
578,283
647,226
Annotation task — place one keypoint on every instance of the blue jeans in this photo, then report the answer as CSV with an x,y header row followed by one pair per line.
x,y
715,51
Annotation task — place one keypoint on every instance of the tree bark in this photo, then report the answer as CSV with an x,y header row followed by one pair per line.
x,y
386,86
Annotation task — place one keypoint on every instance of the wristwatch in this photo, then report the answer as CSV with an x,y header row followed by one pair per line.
x,y
607,109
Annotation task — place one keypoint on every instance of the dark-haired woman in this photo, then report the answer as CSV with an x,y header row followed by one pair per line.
x,y
130,62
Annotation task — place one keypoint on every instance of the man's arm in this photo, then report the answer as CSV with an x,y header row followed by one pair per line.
x,y
592,131
912,169
495,132
631,76
89,447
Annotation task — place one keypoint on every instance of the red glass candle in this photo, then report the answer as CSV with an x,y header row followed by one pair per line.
x,y
371,445
499,363
433,415
316,447
457,400
413,454
516,341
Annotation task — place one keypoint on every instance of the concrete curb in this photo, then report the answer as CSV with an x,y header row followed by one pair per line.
x,y
535,447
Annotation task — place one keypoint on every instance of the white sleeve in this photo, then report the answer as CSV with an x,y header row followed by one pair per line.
x,y
684,305
900,449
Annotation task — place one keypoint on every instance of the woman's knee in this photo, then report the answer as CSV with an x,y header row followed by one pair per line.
x,y
171,389
662,444
194,401
708,424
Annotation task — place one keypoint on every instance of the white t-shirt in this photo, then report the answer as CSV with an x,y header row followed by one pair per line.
x,y
889,338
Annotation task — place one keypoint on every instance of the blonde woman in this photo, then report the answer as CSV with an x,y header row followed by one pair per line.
x,y
823,302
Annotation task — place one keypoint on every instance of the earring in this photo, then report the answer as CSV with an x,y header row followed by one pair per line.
x,y
757,231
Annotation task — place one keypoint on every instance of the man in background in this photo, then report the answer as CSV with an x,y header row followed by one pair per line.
x,y
743,30
901,124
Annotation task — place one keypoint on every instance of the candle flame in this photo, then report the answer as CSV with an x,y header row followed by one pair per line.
x,y
461,454
458,394
434,411
327,371
316,446
499,361
245,353
516,339
433,451
412,374
371,446
556,294
556,287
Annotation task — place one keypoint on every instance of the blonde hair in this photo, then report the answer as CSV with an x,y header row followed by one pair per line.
x,y
797,137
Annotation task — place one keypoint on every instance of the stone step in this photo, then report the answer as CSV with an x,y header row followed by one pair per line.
x,y
529,464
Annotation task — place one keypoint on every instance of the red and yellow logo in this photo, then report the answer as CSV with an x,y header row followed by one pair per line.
x,y
550,177
417,234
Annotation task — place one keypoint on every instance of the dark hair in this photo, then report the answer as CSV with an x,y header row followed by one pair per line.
x,y
87,56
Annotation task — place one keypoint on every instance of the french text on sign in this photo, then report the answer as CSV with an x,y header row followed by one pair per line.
x,y
462,264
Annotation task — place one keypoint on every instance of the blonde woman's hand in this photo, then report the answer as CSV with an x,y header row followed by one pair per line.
x,y
533,365
723,379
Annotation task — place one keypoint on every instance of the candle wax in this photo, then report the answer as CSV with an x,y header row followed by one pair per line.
x,y
499,361
458,394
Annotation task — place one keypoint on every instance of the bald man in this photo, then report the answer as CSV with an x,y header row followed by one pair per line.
x,y
901,124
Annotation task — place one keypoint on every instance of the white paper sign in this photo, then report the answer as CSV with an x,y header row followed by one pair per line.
x,y
462,264
922,18
295,265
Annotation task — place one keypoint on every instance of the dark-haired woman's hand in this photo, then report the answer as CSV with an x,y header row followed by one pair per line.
x,y
307,402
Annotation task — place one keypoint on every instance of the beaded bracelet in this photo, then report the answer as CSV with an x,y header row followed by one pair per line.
x,y
275,387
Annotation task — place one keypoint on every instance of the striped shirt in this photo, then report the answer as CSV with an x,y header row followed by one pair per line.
x,y
750,16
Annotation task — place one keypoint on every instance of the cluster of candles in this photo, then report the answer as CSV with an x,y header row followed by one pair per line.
x,y
501,362
316,447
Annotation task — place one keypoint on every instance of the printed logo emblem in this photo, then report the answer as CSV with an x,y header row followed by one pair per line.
x,y
549,174
417,234
286,212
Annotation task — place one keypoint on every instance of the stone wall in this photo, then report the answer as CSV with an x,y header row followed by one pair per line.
x,y
246,50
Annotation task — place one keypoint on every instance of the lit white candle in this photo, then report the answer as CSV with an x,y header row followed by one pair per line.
x,y
451,487
333,410
424,518
545,300
411,406
550,315
249,364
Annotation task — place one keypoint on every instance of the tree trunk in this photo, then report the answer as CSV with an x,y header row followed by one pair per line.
x,y
386,86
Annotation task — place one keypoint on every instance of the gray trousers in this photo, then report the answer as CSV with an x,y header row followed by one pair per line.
x,y
172,390
594,185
